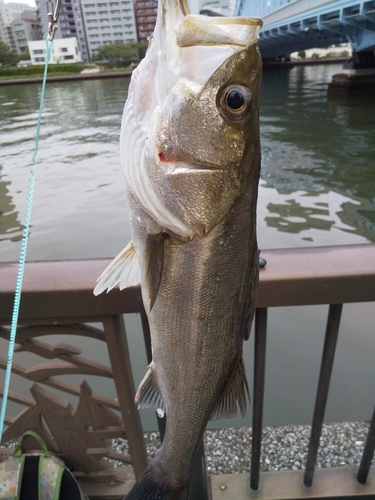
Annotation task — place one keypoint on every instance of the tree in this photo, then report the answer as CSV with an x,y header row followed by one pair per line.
x,y
7,58
120,54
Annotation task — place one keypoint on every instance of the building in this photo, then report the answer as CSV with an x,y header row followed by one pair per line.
x,y
17,8
64,50
70,23
6,17
22,30
108,21
93,22
145,15
217,7
18,25
258,8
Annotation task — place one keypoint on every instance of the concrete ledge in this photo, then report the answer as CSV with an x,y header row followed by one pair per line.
x,y
66,78
354,82
288,485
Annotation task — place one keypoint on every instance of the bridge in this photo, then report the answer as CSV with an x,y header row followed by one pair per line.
x,y
291,26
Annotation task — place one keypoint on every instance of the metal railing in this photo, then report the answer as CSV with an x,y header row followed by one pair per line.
x,y
60,293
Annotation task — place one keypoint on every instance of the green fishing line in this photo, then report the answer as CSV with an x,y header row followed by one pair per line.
x,y
24,242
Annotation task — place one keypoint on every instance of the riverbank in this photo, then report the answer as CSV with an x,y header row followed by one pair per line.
x,y
65,78
24,80
301,62
227,451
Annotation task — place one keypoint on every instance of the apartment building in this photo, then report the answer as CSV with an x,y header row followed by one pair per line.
x,y
108,21
145,14
17,8
70,23
93,22
64,50
218,7
22,30
6,17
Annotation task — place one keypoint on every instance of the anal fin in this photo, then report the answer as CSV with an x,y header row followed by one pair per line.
x,y
235,392
148,394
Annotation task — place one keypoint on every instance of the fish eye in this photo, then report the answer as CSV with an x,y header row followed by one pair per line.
x,y
234,102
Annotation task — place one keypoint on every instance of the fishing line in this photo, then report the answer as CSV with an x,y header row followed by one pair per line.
x,y
24,242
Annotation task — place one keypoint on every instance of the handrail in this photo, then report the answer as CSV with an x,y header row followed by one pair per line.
x,y
297,276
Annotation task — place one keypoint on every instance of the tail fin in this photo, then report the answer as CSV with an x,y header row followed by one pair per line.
x,y
154,485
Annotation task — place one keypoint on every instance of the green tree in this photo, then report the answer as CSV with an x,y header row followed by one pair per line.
x,y
7,58
120,54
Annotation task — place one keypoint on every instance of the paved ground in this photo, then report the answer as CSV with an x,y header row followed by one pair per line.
x,y
283,448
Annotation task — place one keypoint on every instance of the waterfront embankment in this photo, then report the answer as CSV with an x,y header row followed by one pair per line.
x,y
66,78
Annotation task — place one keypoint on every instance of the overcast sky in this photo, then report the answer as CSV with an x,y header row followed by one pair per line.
x,y
30,2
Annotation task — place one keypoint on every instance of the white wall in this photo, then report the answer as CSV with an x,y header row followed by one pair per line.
x,y
64,50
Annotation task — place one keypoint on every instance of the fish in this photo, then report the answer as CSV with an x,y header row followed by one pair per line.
x,y
190,151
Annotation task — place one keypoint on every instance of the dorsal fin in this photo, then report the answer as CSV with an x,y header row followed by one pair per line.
x,y
123,270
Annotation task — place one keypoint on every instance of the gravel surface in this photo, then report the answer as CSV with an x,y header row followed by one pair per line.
x,y
228,450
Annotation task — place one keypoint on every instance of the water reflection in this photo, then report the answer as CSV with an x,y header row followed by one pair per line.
x,y
294,218
10,226
316,145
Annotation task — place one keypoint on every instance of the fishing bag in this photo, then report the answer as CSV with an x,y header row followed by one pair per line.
x,y
37,476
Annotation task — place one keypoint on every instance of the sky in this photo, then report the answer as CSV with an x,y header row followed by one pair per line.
x,y
30,2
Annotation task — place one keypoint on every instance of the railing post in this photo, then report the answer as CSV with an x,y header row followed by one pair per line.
x,y
368,453
118,350
258,397
329,349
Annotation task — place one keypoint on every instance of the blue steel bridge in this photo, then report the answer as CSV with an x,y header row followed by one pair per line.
x,y
291,26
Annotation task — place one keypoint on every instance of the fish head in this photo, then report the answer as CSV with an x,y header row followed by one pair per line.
x,y
202,129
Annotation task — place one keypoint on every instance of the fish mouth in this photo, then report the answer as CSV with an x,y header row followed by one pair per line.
x,y
182,167
176,167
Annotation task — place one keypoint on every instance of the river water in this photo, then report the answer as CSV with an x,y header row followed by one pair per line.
x,y
317,188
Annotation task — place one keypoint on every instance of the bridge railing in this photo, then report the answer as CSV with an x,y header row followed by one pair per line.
x,y
57,300
297,277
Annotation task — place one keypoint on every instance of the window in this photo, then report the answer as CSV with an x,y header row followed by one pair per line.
x,y
68,58
39,59
38,51
63,49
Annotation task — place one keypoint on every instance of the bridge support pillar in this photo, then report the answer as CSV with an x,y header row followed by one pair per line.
x,y
361,60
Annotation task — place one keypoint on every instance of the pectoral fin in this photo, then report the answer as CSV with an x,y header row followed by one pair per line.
x,y
234,393
123,270
154,264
